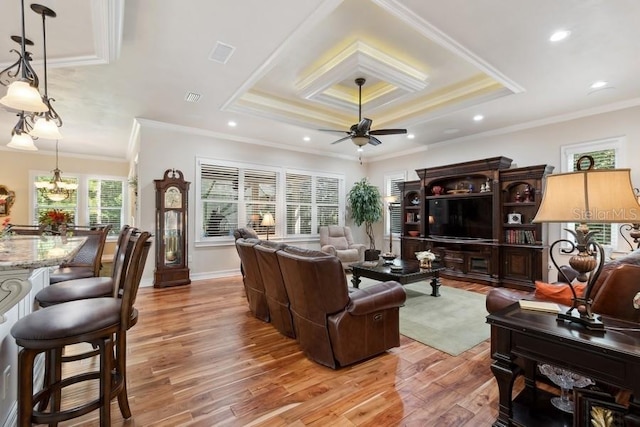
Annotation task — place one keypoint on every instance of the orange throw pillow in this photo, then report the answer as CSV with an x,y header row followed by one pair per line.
x,y
560,293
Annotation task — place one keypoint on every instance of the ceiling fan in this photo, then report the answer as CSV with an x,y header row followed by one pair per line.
x,y
361,133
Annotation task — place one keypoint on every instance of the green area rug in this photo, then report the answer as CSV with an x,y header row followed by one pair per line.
x,y
453,322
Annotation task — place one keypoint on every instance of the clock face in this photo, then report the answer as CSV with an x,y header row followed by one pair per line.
x,y
173,198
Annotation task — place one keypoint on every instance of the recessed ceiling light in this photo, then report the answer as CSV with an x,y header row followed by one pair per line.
x,y
360,149
599,84
411,136
559,35
306,139
451,131
478,118
231,123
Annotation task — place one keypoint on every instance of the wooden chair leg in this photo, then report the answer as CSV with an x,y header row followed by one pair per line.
x,y
121,370
25,386
106,362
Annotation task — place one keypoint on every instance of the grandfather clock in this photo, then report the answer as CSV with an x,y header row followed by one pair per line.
x,y
171,230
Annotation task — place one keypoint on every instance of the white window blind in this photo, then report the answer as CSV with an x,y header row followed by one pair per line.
x,y
299,201
106,203
219,196
393,216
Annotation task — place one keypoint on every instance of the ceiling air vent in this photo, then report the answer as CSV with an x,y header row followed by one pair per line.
x,y
192,97
221,52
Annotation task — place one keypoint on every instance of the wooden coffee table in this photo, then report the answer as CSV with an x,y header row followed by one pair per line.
x,y
409,273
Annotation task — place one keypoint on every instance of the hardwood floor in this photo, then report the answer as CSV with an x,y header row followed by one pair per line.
x,y
197,357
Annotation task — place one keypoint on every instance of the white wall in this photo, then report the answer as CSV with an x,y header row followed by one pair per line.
x,y
164,147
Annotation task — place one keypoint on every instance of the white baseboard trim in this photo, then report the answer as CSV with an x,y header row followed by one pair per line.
x,y
148,282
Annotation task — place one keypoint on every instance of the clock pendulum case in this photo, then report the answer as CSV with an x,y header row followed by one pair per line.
x,y
172,193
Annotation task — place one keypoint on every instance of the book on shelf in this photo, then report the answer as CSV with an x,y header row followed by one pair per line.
x,y
549,307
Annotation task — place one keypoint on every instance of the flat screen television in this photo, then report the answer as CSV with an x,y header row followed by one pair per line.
x,y
461,217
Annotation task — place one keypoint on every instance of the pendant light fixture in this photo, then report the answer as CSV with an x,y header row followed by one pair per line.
x,y
46,125
20,138
22,94
57,189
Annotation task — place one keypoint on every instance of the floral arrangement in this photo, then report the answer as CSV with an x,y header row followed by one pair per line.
x,y
426,255
55,217
4,227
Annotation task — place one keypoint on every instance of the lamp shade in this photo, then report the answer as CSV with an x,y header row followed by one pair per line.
x,y
267,220
593,196
22,141
46,129
22,96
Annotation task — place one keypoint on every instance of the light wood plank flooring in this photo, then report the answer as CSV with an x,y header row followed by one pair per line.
x,y
197,357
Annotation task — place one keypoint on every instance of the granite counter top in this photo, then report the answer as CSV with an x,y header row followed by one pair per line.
x,y
30,252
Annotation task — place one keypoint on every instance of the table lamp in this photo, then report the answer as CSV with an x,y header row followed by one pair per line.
x,y
633,229
268,221
586,196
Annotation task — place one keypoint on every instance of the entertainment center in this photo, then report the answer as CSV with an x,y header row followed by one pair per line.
x,y
476,217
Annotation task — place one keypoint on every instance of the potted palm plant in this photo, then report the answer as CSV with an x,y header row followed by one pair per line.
x,y
365,205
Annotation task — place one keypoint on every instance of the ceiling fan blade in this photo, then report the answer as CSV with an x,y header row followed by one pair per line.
x,y
364,126
335,131
341,139
374,141
387,132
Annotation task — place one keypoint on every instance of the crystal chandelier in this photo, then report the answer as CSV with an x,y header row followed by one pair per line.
x,y
57,189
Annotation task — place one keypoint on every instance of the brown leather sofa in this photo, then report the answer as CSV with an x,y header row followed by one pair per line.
x,y
252,279
304,294
275,291
336,328
612,293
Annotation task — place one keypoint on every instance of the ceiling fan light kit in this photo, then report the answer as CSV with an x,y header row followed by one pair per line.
x,y
361,133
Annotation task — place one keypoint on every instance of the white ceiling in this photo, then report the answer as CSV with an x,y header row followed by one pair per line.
x,y
430,67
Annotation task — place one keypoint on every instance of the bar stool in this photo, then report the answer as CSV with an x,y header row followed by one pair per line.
x,y
99,321
90,287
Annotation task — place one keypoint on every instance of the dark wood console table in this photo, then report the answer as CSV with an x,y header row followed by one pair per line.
x,y
520,339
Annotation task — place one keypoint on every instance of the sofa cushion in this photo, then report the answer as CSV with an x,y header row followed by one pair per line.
x,y
558,293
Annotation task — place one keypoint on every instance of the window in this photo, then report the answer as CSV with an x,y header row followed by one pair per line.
x,y
299,201
98,200
395,214
607,154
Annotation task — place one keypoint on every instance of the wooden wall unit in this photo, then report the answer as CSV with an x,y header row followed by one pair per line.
x,y
498,247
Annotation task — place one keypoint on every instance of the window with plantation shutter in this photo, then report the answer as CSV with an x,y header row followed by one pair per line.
x,y
393,215
298,201
98,200
106,203
43,204
219,199
233,195
606,155
312,201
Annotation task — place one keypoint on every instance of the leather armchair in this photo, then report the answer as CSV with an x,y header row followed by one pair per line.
x,y
338,241
252,279
275,291
336,328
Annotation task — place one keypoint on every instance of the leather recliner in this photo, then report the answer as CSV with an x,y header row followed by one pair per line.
x,y
338,241
252,278
275,291
336,328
